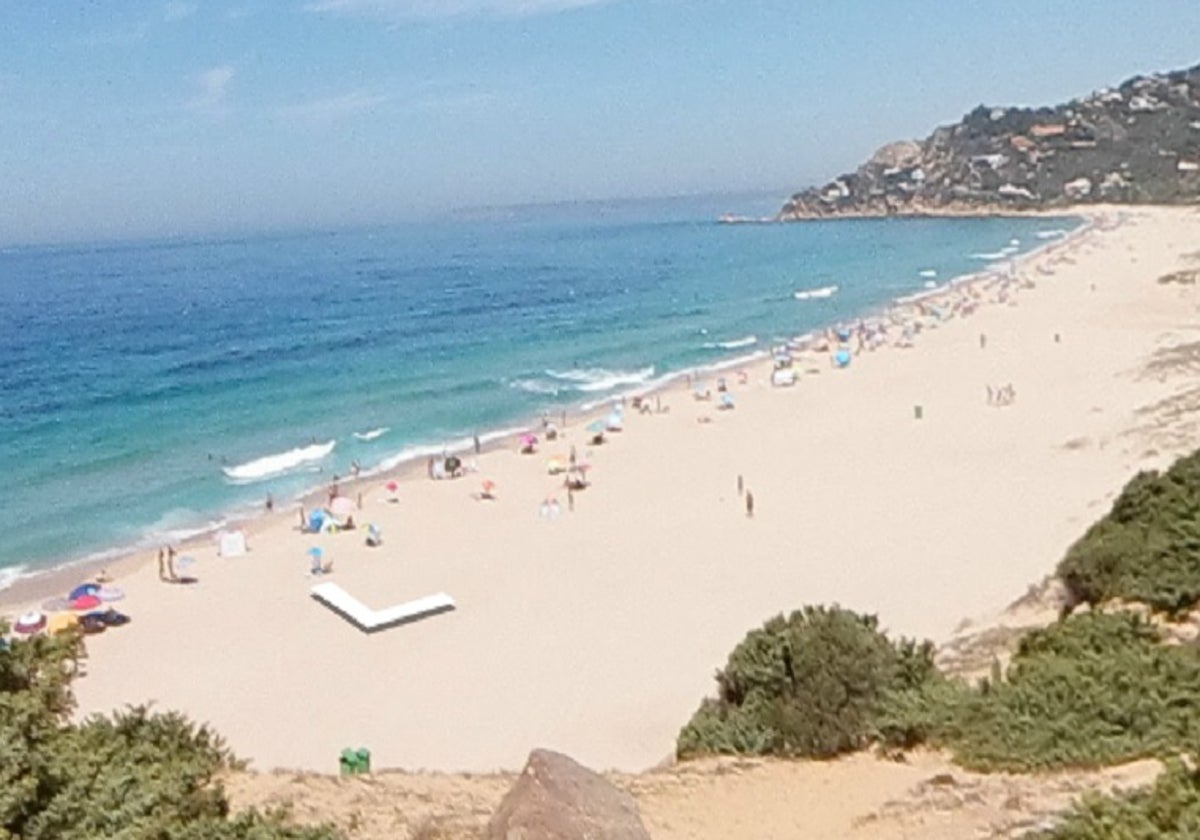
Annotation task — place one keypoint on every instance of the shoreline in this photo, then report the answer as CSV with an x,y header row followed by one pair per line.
x,y
596,633
31,585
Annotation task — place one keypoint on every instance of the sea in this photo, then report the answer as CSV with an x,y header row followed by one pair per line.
x,y
153,390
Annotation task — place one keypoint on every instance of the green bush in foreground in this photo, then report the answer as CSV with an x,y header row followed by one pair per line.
x,y
135,775
1167,810
1091,690
811,684
1147,548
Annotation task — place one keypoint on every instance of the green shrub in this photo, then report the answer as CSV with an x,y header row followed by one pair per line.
x,y
1091,690
1167,810
811,684
1147,548
134,775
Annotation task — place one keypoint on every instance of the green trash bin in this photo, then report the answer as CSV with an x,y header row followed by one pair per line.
x,y
348,762
364,760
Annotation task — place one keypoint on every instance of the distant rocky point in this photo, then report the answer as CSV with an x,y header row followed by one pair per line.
x,y
1137,143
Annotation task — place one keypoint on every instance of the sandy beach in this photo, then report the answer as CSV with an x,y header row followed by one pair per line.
x,y
597,632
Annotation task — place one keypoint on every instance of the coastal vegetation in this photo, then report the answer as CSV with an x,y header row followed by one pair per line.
x,y
1102,686
1147,548
136,774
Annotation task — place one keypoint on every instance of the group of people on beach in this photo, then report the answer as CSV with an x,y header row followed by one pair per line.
x,y
1001,395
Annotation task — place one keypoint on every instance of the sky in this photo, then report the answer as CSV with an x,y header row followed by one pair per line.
x,y
132,119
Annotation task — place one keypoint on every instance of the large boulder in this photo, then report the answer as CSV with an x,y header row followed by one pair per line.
x,y
556,798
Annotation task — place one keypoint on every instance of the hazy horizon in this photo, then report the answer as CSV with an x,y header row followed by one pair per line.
x,y
183,119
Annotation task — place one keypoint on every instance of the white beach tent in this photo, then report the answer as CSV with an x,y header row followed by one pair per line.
x,y
231,544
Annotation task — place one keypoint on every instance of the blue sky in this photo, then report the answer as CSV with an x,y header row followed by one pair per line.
x,y
174,118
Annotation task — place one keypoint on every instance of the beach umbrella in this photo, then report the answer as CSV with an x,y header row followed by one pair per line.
x,y
62,622
529,440
316,552
392,487
342,506
83,589
453,463
111,593
615,422
85,602
30,622
842,357
56,605
316,519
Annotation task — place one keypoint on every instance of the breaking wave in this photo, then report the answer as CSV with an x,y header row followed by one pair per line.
x,y
278,464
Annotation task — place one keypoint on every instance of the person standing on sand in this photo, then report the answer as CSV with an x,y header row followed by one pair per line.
x,y
572,454
162,565
171,576
270,503
741,484
749,505
475,439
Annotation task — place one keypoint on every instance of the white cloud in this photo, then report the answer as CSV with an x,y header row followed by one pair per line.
x,y
332,108
177,10
430,9
213,90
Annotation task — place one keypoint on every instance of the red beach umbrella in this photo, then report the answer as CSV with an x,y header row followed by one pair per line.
x,y
85,602
30,622
392,486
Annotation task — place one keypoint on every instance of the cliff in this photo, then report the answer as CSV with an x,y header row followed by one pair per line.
x,y
1136,143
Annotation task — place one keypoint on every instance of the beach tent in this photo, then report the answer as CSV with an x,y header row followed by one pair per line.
x,y
231,543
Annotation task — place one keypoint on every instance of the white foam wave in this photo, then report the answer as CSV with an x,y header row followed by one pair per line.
x,y
278,464
816,294
993,255
11,574
1054,233
373,434
1014,242
535,386
748,341
929,272
590,380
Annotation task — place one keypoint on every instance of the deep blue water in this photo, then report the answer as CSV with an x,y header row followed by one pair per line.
x,y
133,374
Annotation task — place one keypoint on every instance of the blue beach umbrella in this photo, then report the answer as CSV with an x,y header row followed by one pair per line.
x,y
315,552
842,357
83,589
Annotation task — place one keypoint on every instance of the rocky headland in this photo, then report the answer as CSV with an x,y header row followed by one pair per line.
x,y
1138,143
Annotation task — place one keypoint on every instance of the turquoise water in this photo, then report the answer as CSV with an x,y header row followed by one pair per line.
x,y
143,384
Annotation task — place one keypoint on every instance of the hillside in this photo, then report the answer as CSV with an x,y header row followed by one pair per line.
x,y
1136,143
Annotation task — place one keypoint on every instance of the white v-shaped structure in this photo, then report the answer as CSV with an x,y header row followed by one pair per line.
x,y
367,619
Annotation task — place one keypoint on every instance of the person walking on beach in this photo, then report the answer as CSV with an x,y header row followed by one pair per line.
x,y
749,505
570,498
741,484
162,565
475,439
171,576
572,455
270,503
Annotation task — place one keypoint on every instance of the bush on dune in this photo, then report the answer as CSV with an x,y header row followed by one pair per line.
x,y
1167,810
810,684
134,775
1147,548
